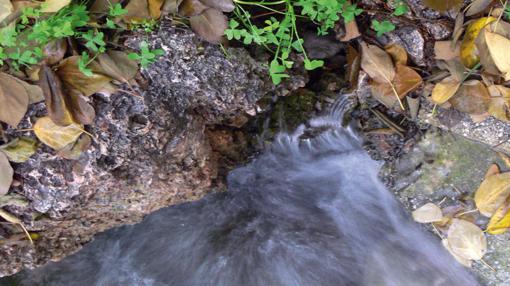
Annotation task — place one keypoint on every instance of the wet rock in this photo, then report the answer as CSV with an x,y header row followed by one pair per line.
x,y
149,151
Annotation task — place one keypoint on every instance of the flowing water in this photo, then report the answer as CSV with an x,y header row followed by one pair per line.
x,y
310,211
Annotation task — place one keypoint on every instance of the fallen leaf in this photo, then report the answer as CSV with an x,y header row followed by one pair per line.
x,y
6,9
54,97
138,11
493,170
52,6
54,51
189,8
492,193
222,5
469,53
499,105
397,53
82,112
500,220
427,213
19,150
466,240
55,136
472,98
102,6
6,173
498,47
444,90
458,29
463,261
35,93
118,66
14,100
444,50
210,25
351,31
155,8
405,81
14,220
377,63
73,78
443,5
477,6
353,66
74,150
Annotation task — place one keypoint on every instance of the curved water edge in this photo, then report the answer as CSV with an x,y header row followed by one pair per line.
x,y
309,211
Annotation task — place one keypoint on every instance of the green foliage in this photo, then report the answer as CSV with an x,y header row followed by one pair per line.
x,y
401,8
116,10
280,35
83,63
382,27
507,12
146,56
95,41
23,44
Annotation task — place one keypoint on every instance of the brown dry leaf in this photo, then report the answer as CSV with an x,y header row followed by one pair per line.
x,y
138,11
463,261
73,78
466,240
499,105
222,5
13,98
405,81
57,137
477,6
397,53
458,29
35,93
54,97
74,150
170,6
377,63
492,193
427,213
471,98
155,8
6,9
54,51
469,53
81,110
210,25
6,173
498,48
102,6
19,150
14,220
351,31
353,66
52,6
118,66
493,170
444,50
444,90
443,5
500,220
189,8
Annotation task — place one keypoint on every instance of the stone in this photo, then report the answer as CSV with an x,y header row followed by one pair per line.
x,y
149,150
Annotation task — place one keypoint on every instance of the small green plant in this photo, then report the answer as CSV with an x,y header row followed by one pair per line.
x,y
146,56
280,35
382,27
507,11
400,8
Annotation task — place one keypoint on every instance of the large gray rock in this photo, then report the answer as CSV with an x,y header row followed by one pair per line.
x,y
149,151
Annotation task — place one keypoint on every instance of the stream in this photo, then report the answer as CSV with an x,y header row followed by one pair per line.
x,y
308,211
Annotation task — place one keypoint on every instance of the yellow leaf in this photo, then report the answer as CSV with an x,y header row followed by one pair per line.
x,y
55,136
466,240
468,52
444,90
52,6
427,213
492,193
500,221
19,150
498,48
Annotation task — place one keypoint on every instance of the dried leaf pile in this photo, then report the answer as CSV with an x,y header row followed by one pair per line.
x,y
463,238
